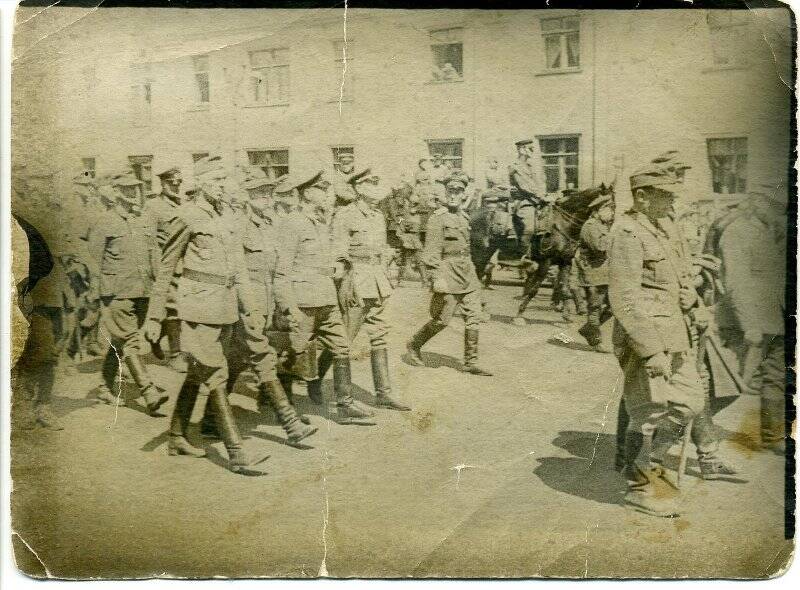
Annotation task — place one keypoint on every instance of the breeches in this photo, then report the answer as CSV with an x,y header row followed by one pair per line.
x,y
122,319
371,315
323,323
444,306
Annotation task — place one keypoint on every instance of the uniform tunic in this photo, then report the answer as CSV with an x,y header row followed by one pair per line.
x,y
592,258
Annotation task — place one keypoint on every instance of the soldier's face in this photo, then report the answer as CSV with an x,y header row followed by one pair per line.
x,y
454,198
173,184
131,197
214,187
661,203
317,198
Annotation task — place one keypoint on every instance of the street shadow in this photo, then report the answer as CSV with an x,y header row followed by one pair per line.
x,y
93,365
589,473
507,319
434,360
63,406
572,345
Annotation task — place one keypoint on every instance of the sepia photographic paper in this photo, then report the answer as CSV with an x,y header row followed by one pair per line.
x,y
376,291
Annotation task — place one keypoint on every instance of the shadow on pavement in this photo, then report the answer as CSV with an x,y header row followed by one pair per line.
x,y
590,473
572,345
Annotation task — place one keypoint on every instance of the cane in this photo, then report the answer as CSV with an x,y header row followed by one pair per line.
x,y
684,453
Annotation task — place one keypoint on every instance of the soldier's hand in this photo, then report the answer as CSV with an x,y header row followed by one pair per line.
x,y
659,365
439,285
687,298
152,330
753,336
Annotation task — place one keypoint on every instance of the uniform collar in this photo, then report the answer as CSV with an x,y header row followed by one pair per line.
x,y
170,200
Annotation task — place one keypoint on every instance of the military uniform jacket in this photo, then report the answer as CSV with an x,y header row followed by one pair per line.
x,y
162,209
754,275
525,181
592,256
447,251
213,286
364,231
260,240
305,263
647,266
125,244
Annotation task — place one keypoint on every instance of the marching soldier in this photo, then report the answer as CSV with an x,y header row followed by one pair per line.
x,y
411,219
125,244
592,264
252,348
753,252
308,262
360,225
454,282
211,296
654,303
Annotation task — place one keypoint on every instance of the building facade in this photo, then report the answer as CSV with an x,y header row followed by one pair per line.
x,y
601,92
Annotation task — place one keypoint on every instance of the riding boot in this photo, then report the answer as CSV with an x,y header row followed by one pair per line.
x,y
238,459
110,373
348,409
647,491
622,426
179,423
423,270
419,339
379,357
487,276
153,398
471,354
295,429
315,385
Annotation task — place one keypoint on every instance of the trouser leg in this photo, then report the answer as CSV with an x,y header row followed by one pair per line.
x,y
773,393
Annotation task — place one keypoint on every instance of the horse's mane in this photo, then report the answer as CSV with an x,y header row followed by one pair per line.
x,y
576,202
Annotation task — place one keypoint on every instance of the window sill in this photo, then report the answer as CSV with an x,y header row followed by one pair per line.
x,y
437,82
725,68
259,105
199,107
555,72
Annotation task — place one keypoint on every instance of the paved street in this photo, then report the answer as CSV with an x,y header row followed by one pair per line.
x,y
511,475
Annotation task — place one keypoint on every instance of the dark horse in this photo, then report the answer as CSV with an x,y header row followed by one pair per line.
x,y
555,240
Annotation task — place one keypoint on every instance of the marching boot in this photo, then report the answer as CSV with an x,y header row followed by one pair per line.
x,y
349,411
315,385
295,429
153,398
380,378
622,428
109,372
179,423
647,492
286,381
413,346
423,272
238,459
471,354
46,419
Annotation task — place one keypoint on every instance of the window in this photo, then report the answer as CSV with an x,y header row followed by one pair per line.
x,y
142,169
560,160
562,43
201,81
451,150
89,166
341,149
343,70
270,76
726,30
196,157
274,163
447,49
727,158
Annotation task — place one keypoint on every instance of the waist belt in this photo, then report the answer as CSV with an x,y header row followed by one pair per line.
x,y
458,254
205,277
325,271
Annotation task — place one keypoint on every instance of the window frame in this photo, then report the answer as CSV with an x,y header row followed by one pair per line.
x,y
196,72
744,179
138,163
90,168
432,43
562,33
734,59
265,70
448,141
562,156
269,169
342,149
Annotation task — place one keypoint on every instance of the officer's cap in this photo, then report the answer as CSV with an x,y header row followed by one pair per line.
x,y
297,181
125,180
84,179
456,183
345,156
170,172
600,201
522,142
257,178
654,175
206,166
671,160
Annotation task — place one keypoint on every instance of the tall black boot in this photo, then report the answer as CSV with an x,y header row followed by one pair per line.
x,y
425,333
622,426
110,374
380,378
349,410
647,492
238,460
295,429
179,423
471,354
315,385
153,398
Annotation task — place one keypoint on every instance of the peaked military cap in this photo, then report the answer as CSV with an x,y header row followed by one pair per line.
x,y
169,172
522,142
287,182
257,178
359,176
205,166
125,180
655,175
600,201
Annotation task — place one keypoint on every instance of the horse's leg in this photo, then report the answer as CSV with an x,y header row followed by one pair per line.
x,y
564,291
532,283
